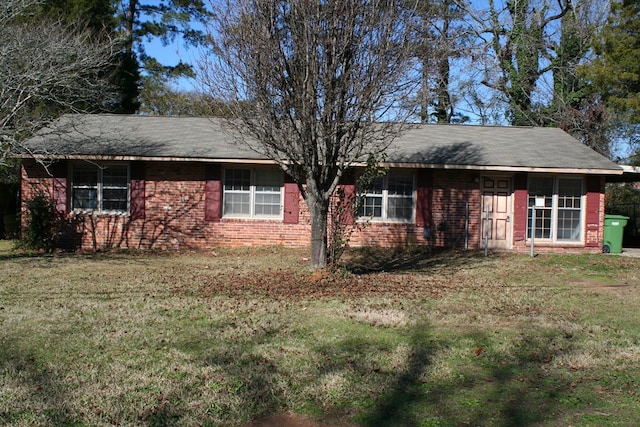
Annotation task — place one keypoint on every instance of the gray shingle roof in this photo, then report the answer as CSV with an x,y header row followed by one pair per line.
x,y
453,146
109,135
494,146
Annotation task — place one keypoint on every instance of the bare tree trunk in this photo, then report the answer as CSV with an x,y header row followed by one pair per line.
x,y
129,23
444,109
318,210
424,90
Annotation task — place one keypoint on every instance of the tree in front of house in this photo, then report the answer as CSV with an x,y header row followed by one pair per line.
x,y
317,83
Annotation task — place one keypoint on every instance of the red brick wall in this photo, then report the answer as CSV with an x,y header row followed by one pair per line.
x,y
35,180
453,191
444,223
174,215
179,210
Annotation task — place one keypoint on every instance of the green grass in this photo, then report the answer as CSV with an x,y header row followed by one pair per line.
x,y
396,339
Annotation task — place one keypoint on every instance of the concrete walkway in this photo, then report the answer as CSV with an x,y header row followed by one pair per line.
x,y
632,252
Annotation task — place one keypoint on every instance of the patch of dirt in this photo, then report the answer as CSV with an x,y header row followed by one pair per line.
x,y
294,285
593,284
291,419
283,420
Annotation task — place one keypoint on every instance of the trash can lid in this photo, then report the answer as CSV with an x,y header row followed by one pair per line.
x,y
608,216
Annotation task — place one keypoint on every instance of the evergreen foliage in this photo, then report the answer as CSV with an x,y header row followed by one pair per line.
x,y
42,224
615,72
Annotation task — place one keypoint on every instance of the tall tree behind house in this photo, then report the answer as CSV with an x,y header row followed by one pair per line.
x,y
132,23
441,37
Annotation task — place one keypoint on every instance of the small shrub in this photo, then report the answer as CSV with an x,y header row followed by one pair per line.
x,y
344,212
42,224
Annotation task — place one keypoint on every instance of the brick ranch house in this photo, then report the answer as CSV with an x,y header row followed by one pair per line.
x,y
178,182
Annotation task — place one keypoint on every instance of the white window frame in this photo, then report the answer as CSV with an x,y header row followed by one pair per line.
x,y
385,195
252,192
555,209
100,187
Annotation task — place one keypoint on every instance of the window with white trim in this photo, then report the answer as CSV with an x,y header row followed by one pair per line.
x,y
558,205
389,198
253,193
100,187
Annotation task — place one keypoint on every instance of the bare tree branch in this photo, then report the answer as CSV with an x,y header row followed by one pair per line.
x,y
46,68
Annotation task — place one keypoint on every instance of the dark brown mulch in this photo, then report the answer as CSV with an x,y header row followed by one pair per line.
x,y
293,285
292,420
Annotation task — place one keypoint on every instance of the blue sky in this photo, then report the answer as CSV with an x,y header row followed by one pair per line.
x,y
172,54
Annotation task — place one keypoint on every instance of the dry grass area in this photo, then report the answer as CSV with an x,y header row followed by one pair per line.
x,y
251,337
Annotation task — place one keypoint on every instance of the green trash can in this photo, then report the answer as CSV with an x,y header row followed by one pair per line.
x,y
613,231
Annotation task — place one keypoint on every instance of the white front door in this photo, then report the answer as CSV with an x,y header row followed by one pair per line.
x,y
496,223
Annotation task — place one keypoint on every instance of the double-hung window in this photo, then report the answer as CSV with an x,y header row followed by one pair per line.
x,y
253,193
558,205
100,187
389,198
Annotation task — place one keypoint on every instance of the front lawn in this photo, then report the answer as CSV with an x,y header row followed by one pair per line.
x,y
400,339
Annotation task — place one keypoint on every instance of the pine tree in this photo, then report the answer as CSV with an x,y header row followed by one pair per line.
x,y
132,22
615,72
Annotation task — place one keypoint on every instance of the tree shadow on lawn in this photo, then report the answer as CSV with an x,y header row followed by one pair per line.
x,y
33,259
487,386
420,258
46,393
251,386
403,391
513,389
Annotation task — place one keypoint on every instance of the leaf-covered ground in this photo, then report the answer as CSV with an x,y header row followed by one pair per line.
x,y
252,337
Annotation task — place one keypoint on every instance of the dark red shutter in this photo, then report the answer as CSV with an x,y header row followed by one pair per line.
x,y
595,187
520,207
60,187
424,197
213,192
137,189
291,201
348,185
